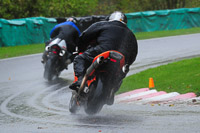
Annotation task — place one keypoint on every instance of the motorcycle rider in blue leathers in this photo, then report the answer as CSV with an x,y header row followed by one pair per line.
x,y
67,31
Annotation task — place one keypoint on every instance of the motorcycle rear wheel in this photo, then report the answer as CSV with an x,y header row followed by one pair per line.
x,y
49,70
95,102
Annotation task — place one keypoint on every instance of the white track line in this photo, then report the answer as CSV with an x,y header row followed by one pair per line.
x,y
33,99
5,110
49,105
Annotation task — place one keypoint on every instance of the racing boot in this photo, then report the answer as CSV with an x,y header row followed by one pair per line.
x,y
76,85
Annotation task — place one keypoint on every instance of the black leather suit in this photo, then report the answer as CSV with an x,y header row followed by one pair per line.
x,y
112,35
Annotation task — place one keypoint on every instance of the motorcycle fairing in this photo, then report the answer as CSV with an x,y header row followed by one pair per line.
x,y
112,56
61,43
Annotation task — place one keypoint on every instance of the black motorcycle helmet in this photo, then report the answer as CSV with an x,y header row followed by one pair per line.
x,y
118,16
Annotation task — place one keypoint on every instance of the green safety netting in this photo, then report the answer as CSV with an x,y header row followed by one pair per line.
x,y
13,32
164,19
47,25
36,29
0,36
25,31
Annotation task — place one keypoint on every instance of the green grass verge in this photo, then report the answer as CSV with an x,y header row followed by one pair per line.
x,y
157,34
7,52
182,77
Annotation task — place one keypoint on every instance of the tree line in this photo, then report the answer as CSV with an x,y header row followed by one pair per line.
x,y
13,9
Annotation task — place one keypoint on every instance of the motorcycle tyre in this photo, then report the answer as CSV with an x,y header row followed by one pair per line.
x,y
49,72
95,105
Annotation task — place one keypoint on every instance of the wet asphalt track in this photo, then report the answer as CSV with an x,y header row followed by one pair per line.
x,y
30,104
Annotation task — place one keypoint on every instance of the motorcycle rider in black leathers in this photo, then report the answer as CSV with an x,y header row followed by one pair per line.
x,y
108,35
67,31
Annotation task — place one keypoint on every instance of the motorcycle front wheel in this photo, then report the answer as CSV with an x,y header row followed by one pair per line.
x,y
73,107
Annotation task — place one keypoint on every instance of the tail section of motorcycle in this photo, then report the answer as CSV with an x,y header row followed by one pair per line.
x,y
103,79
57,59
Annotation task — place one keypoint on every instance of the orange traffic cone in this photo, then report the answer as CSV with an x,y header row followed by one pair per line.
x,y
151,83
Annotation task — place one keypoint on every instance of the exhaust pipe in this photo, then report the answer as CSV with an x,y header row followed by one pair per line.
x,y
125,68
92,67
95,65
100,60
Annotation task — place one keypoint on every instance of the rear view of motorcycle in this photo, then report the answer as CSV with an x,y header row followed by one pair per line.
x,y
100,83
56,59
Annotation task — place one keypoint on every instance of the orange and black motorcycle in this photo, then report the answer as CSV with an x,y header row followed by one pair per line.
x,y
102,79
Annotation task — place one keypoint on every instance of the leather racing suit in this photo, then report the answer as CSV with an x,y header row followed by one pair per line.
x,y
107,35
